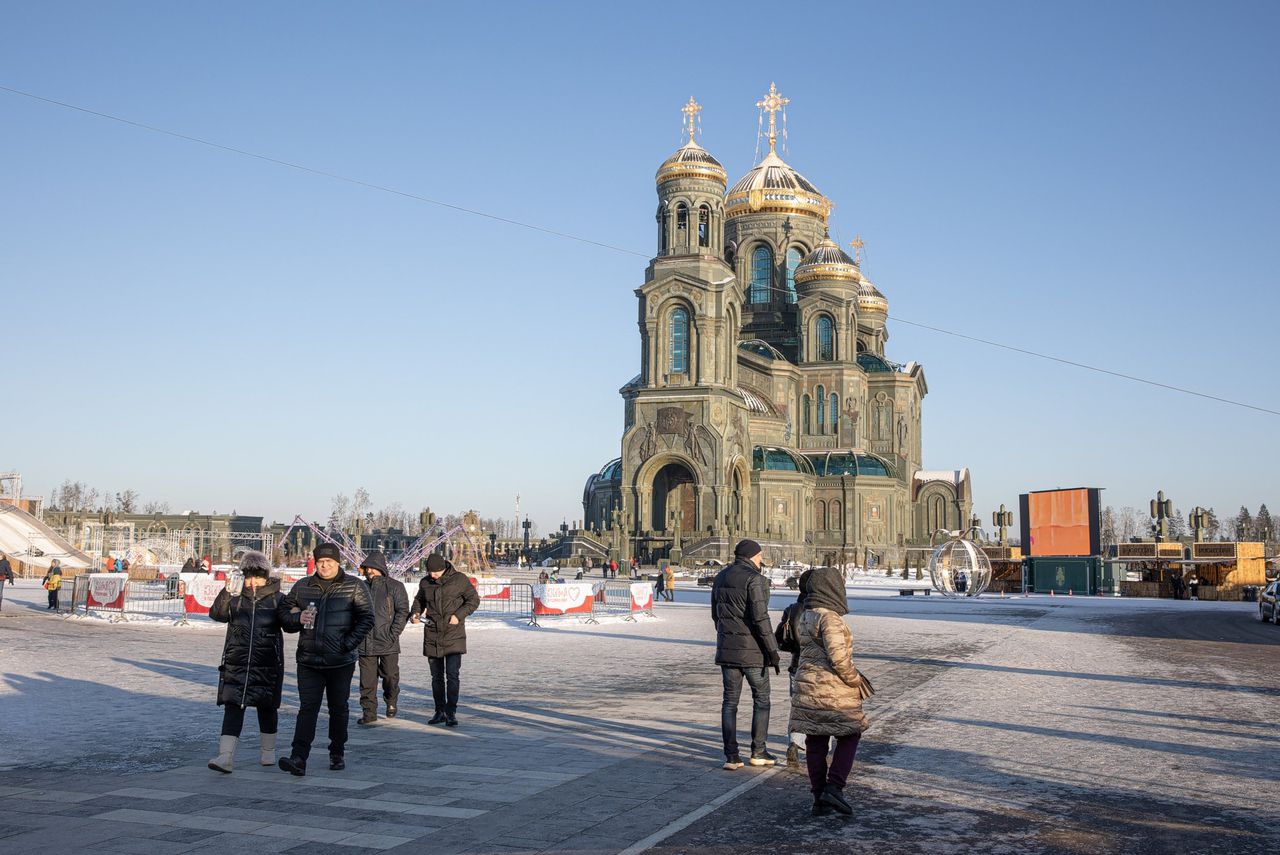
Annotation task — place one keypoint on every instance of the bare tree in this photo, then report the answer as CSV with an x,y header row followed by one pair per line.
x,y
1129,524
75,496
155,508
127,502
1108,527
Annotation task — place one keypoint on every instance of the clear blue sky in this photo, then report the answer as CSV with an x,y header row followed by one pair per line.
x,y
1095,180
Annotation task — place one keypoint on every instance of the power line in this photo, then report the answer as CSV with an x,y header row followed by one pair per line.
x,y
532,227
335,176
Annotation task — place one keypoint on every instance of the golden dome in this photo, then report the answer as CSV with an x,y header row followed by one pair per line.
x,y
829,263
691,161
773,186
870,299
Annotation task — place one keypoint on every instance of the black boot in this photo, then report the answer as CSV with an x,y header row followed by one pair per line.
x,y
833,796
337,763
450,719
820,808
294,765
438,718
392,710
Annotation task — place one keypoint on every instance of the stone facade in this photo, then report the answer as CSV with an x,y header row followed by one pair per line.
x,y
765,405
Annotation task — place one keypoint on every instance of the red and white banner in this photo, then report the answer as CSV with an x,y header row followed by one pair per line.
x,y
200,593
107,590
641,596
565,598
492,589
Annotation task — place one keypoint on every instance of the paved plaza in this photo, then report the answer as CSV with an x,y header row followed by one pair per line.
x,y
1002,726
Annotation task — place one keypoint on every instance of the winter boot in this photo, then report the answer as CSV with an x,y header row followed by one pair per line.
x,y
296,766
337,762
226,751
438,718
833,796
267,746
820,808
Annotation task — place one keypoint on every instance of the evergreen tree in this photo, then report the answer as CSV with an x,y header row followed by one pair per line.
x,y
1242,525
1264,526
1177,525
1108,528
1213,527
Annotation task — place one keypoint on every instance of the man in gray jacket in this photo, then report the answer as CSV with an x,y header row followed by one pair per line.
x,y
380,651
745,649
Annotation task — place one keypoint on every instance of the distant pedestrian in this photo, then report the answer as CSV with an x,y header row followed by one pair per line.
x,y
444,601
1193,586
613,569
1175,582
829,691
53,583
252,669
635,567
745,649
332,611
543,578
188,566
380,651
6,570
669,577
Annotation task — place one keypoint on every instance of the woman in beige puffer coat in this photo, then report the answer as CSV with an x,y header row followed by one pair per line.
x,y
829,690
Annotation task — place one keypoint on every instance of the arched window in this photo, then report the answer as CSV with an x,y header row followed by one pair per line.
x,y
680,342
682,225
794,257
821,395
663,225
826,339
862,346
804,414
835,414
761,274
837,516
820,515
704,226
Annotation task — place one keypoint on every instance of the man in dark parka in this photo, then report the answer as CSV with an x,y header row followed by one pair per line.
x,y
445,598
380,651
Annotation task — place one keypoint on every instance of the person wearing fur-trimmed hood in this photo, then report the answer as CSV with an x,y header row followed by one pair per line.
x,y
252,669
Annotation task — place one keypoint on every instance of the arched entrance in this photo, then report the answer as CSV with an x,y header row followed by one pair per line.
x,y
674,490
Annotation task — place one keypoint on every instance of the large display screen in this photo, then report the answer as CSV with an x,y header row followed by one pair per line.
x,y
1061,522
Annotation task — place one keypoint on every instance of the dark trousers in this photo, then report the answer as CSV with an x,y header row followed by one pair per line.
x,y
53,599
444,681
815,755
233,719
314,686
758,680
387,667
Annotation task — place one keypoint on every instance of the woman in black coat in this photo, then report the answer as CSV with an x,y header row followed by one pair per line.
x,y
252,669
445,599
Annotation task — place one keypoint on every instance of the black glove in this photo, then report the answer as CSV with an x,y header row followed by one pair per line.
x,y
774,661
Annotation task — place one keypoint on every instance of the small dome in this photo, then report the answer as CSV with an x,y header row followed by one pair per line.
x,y
870,299
773,186
691,161
827,262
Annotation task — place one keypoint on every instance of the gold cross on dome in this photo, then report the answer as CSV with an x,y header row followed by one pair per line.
x,y
772,103
857,243
691,111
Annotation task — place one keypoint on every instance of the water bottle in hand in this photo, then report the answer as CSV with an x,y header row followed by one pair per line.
x,y
235,584
309,617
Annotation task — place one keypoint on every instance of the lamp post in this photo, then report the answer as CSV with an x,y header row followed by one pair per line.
x,y
1161,510
1002,520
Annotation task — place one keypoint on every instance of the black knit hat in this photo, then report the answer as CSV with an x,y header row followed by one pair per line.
x,y
327,550
746,549
254,563
436,564
375,561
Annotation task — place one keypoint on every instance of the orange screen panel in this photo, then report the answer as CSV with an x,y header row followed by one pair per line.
x,y
1059,522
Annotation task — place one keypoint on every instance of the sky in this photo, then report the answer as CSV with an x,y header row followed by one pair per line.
x,y
1095,181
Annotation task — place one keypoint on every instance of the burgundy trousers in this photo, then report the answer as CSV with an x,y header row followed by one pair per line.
x,y
815,755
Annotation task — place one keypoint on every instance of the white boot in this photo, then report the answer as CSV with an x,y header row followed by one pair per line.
x,y
267,743
226,752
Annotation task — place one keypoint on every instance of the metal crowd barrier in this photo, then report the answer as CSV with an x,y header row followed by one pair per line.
x,y
614,598
505,600
153,599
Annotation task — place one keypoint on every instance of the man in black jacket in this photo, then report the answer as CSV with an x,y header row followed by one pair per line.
x,y
380,651
333,613
745,648
445,599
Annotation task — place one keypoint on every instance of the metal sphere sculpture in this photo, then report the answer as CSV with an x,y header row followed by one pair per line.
x,y
958,568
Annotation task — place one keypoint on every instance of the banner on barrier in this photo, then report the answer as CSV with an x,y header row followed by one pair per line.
x,y
492,589
641,596
201,592
565,598
107,590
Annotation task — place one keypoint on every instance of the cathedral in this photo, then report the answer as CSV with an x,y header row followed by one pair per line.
x,y
767,405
